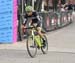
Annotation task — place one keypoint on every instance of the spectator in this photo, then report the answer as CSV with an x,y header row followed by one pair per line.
x,y
69,6
55,3
62,2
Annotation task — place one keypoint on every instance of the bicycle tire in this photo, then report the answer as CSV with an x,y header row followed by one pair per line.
x,y
28,49
46,46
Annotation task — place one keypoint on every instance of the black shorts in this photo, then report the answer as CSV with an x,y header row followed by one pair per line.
x,y
38,24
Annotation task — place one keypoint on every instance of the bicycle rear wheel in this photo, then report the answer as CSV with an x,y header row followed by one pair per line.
x,y
31,47
44,48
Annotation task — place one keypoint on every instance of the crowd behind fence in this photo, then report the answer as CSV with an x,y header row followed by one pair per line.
x,y
50,21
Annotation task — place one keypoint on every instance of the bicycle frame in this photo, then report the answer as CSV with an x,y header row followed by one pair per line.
x,y
36,38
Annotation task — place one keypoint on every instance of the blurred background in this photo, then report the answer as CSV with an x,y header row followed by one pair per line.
x,y
42,6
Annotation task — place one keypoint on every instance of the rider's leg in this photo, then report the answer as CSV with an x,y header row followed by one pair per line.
x,y
39,29
40,33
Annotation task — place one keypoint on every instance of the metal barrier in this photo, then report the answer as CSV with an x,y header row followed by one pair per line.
x,y
55,20
50,21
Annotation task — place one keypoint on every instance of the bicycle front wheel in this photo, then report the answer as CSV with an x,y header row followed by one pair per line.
x,y
31,47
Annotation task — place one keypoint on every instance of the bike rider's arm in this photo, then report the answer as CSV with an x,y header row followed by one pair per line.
x,y
25,20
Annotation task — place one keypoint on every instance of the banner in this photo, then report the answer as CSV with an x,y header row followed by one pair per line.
x,y
8,21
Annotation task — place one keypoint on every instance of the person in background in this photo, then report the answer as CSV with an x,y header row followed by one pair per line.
x,y
69,5
55,3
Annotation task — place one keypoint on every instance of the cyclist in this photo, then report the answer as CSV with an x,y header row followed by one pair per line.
x,y
35,18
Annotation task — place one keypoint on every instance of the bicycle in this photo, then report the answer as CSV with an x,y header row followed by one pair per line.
x,y
34,41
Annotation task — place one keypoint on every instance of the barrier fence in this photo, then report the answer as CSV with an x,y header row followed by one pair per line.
x,y
50,21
